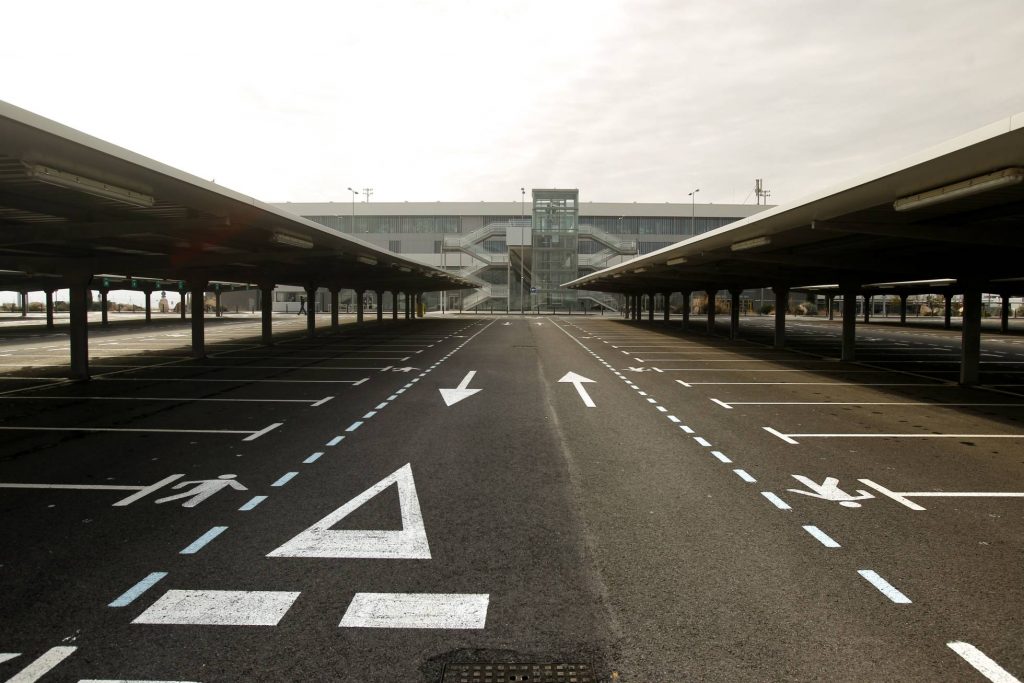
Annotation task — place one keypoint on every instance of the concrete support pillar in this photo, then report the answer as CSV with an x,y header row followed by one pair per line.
x,y
197,289
78,289
359,305
947,323
734,314
419,312
903,309
686,309
781,308
24,304
867,308
267,313
1004,317
712,295
103,306
394,304
49,308
183,307
310,309
149,304
216,303
665,312
334,306
830,301
639,307
650,307
380,304
849,352
970,340
405,298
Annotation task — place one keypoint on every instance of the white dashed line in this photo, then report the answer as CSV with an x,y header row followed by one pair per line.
x,y
702,441
253,502
354,426
775,500
745,476
197,545
335,441
886,588
721,456
313,458
985,665
673,418
138,589
285,478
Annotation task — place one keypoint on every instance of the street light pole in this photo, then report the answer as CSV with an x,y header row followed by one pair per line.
x,y
522,249
354,193
693,211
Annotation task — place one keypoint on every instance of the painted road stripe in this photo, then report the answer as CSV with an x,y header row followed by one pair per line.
x,y
322,401
126,429
263,431
8,656
369,414
686,429
702,441
138,589
80,487
335,441
780,435
43,665
196,545
892,495
417,610
724,405
745,476
825,539
775,500
146,491
900,436
721,456
871,403
219,608
253,502
673,418
354,426
985,665
285,478
313,458
392,397
400,391
381,406
887,589
125,680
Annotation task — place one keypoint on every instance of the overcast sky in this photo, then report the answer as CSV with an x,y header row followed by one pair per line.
x,y
470,100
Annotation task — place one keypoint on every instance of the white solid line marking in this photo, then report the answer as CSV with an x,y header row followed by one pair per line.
x,y
910,436
285,478
138,589
686,429
937,404
369,414
683,383
196,545
721,456
891,494
775,500
335,441
256,435
124,680
745,476
313,458
887,589
825,539
82,487
356,384
253,502
43,665
702,441
322,401
146,491
126,429
724,405
985,665
673,418
354,426
417,610
219,608
8,656
779,434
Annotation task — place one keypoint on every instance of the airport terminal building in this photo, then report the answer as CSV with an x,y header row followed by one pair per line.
x,y
518,253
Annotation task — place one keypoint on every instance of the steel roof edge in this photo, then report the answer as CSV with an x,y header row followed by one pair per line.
x,y
73,136
807,204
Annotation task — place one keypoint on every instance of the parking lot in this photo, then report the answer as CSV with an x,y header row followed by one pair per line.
x,y
387,499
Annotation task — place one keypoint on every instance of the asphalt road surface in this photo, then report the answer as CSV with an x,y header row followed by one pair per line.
x,y
624,500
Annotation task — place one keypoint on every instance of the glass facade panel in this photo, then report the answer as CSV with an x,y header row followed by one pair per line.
x,y
555,246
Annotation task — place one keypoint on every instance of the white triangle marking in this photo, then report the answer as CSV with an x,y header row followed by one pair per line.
x,y
410,543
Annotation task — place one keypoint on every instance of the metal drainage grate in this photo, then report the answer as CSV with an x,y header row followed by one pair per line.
x,y
523,673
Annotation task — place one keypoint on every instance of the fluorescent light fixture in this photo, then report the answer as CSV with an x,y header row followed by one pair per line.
x,y
96,188
291,240
640,270
676,261
368,260
965,188
752,243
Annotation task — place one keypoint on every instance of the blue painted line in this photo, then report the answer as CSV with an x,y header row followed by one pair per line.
x,y
138,589
256,500
198,544
354,426
284,479
312,458
335,441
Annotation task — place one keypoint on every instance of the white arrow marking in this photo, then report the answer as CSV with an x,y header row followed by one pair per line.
x,y
506,323
453,396
577,381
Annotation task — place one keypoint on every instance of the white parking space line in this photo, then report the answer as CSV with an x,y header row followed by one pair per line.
x,y
43,665
936,384
354,383
138,589
984,664
219,608
73,487
790,438
417,610
251,434
937,404
8,656
125,680
312,402
265,430
197,545
886,588
824,538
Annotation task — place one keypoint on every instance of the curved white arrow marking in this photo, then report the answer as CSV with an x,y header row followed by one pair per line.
x,y
577,381
453,396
